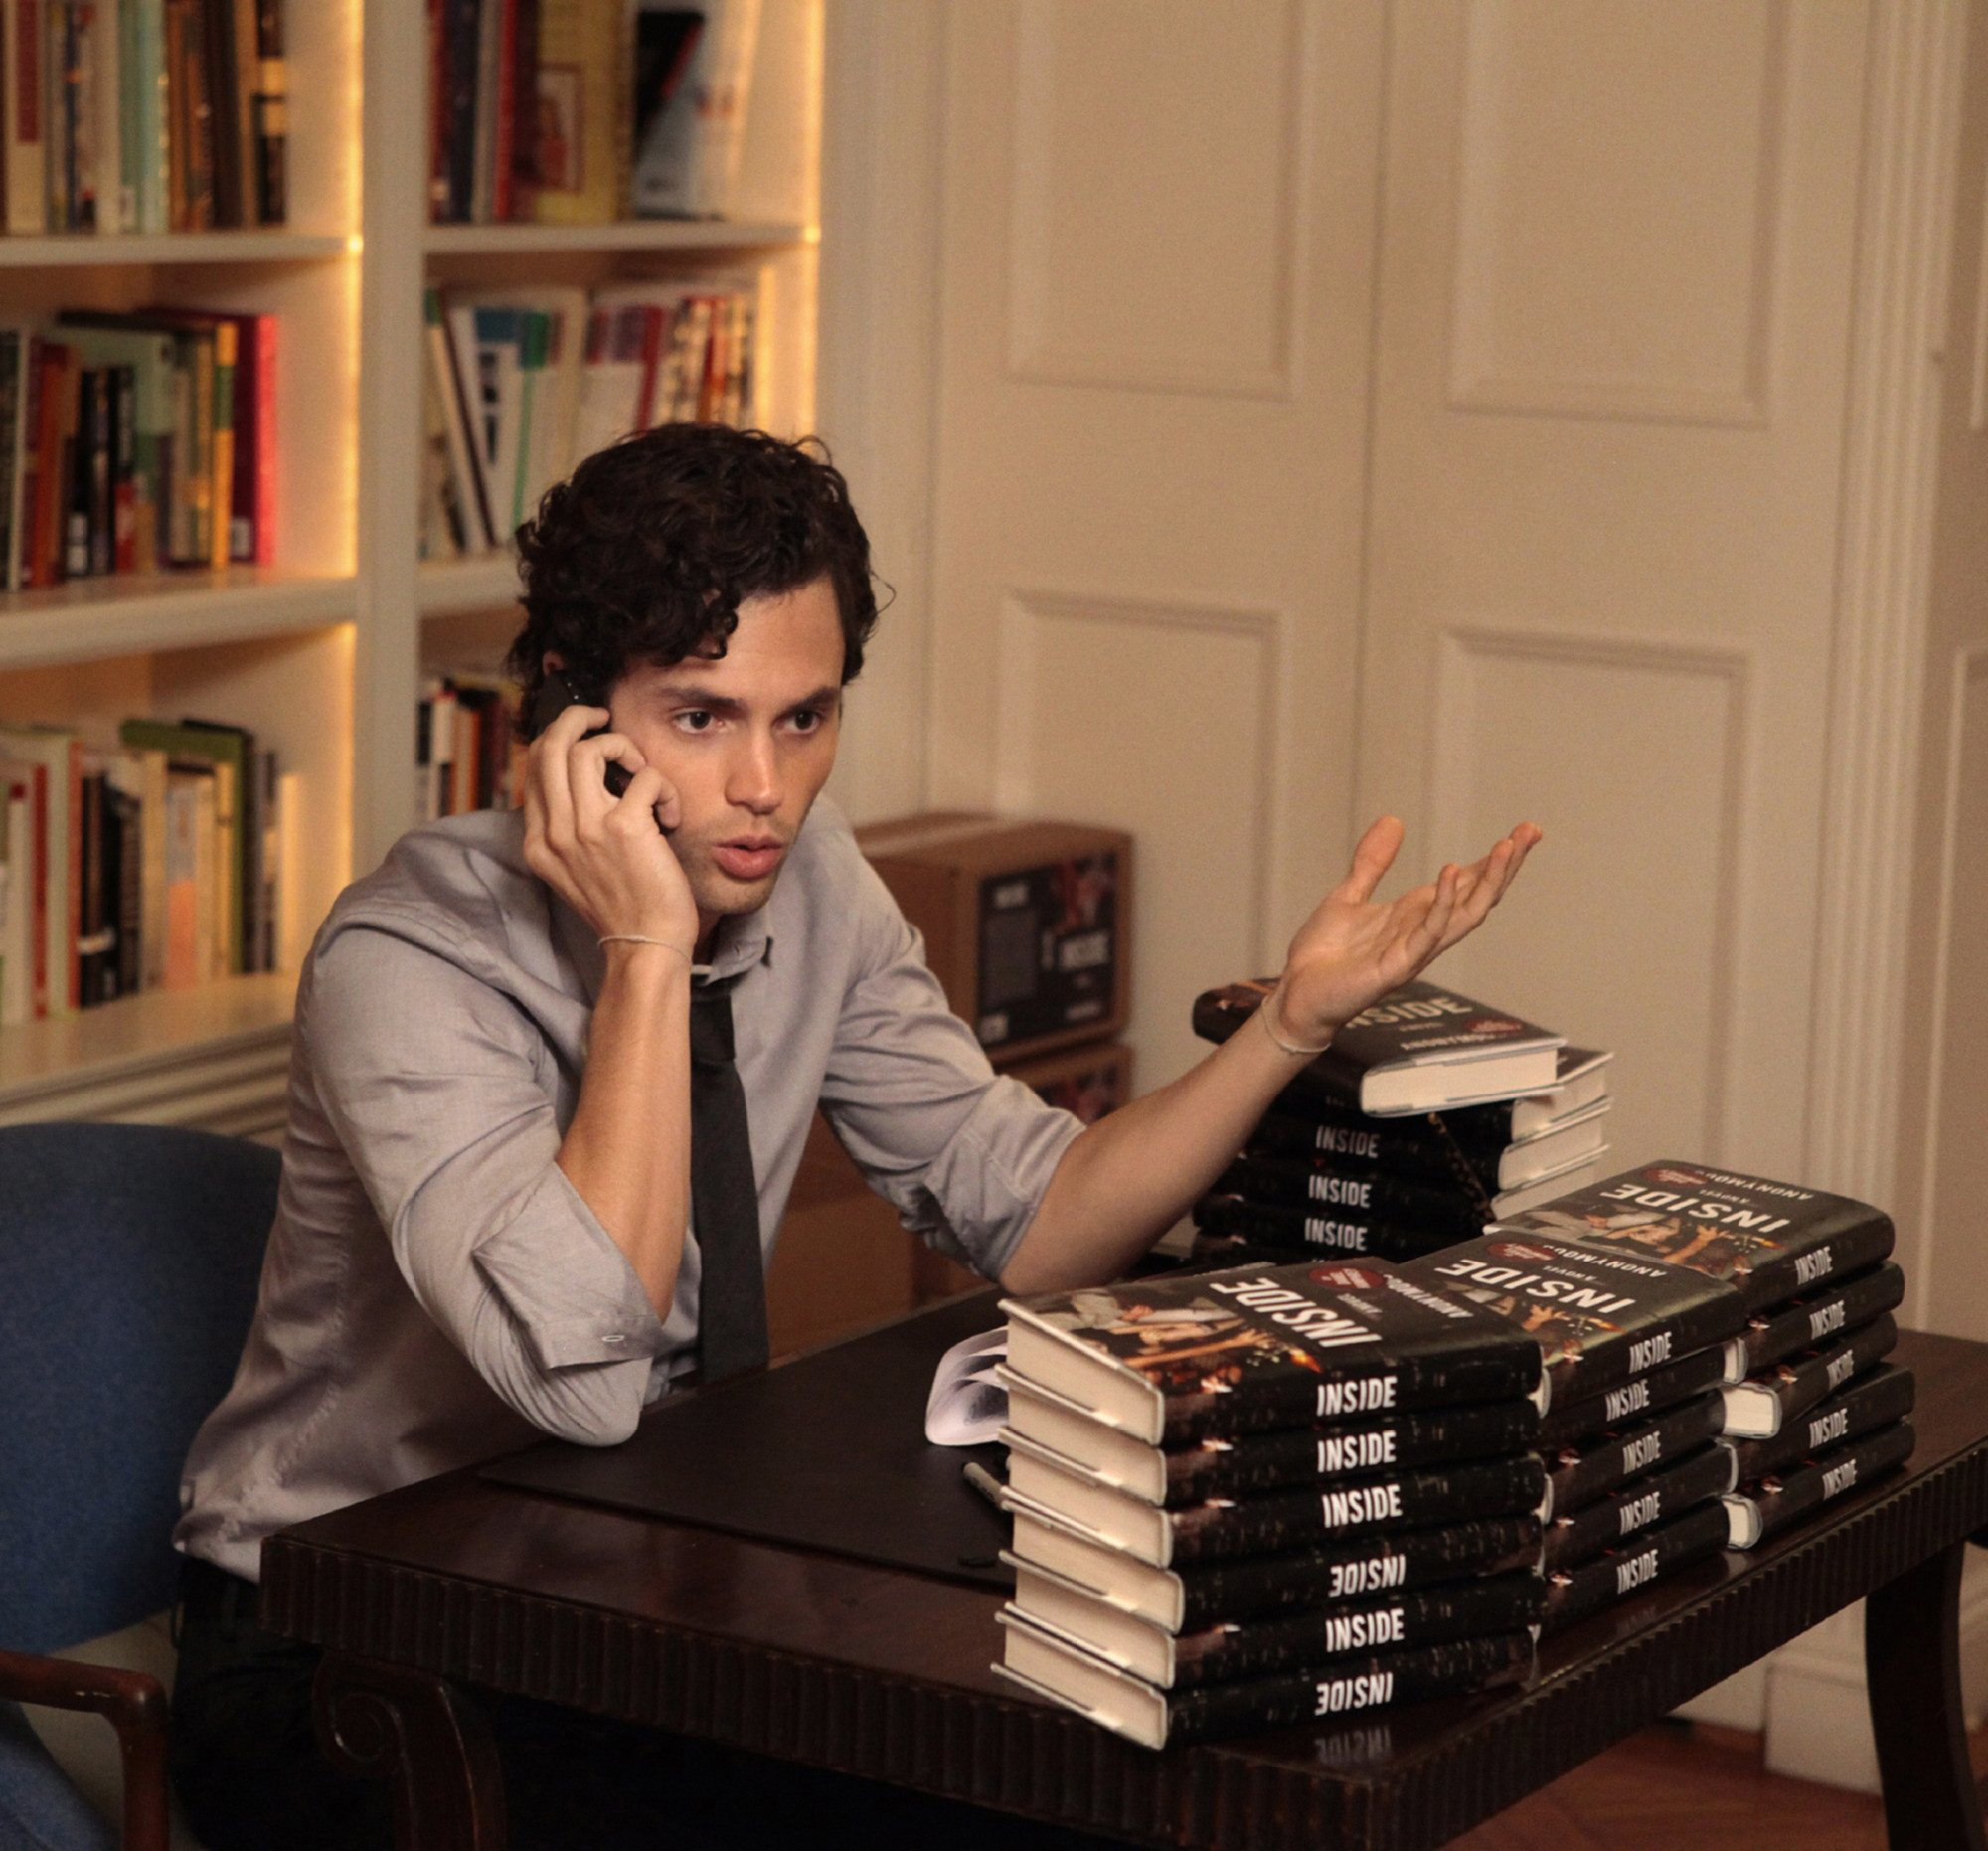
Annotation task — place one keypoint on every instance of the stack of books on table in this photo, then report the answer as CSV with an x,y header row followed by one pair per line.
x,y
1766,1337
1429,1117
1254,1497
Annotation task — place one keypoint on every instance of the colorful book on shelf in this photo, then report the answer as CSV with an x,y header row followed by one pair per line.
x,y
58,754
586,111
230,750
24,785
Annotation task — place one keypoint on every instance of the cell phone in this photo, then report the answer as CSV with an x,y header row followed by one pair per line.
x,y
555,697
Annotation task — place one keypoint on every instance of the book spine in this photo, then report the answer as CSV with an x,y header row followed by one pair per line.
x,y
1604,1524
1290,1520
1777,1503
1405,1622
1302,1398
1299,1231
129,918
1807,1381
1325,1186
1247,1586
1564,1423
1818,1318
26,78
464,35
1304,1456
1577,1476
80,473
1574,1593
273,127
1359,1684
1851,1244
1415,1148
1883,1396
125,468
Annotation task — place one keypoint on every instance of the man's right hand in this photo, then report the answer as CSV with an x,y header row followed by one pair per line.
x,y
606,857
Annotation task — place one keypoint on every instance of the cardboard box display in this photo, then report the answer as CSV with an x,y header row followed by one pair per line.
x,y
1027,924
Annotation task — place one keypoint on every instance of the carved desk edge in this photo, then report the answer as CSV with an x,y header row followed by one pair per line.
x,y
1026,1758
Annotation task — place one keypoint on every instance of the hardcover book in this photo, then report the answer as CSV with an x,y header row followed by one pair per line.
x,y
1760,1407
1759,1511
1880,1396
1700,1476
1569,1423
1298,1456
1772,1241
1067,1674
1579,1474
1217,1354
1272,1521
1581,1081
1201,1594
1426,1149
1816,1318
1323,1185
1457,1609
1421,1047
1600,1317
1296,1231
1575,1592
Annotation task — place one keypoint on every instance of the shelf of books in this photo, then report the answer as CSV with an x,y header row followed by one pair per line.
x,y
256,513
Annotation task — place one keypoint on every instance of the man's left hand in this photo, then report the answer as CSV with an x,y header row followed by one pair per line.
x,y
1353,950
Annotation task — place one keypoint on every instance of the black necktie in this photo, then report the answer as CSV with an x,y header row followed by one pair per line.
x,y
723,1198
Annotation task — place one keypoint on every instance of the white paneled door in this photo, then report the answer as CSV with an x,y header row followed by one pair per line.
x,y
1156,250
1615,290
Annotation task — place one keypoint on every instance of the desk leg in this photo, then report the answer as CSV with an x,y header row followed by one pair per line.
x,y
390,1722
1912,1658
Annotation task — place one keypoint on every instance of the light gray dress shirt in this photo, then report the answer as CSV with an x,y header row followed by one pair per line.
x,y
435,1292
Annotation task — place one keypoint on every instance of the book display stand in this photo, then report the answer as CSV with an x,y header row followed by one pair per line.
x,y
322,653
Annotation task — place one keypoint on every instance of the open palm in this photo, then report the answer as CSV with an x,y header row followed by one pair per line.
x,y
1354,949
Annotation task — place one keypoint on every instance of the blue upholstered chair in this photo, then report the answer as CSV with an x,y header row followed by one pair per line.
x,y
129,1257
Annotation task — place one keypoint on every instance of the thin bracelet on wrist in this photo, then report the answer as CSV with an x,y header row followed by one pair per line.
x,y
1284,1045
635,938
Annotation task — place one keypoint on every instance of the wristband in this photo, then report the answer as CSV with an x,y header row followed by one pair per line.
x,y
635,938
1263,1016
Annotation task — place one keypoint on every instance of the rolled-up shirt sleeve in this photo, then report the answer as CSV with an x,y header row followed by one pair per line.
x,y
431,1077
964,1154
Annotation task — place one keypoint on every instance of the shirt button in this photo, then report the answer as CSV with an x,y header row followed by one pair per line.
x,y
615,1337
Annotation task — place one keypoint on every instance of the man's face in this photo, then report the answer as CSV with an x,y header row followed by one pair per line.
x,y
746,739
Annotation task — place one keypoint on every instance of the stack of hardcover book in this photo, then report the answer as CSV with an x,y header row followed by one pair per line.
x,y
1429,1117
1259,1496
1767,1336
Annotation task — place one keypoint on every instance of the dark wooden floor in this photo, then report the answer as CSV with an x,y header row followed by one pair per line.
x,y
1675,1786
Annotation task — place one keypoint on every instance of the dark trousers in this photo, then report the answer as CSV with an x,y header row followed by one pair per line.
x,y
246,1765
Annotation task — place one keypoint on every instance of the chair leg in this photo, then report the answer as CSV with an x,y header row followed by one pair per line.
x,y
387,1722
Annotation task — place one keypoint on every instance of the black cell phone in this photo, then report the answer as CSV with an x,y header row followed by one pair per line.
x,y
555,697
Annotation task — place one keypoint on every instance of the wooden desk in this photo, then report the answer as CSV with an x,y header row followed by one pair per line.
x,y
884,1673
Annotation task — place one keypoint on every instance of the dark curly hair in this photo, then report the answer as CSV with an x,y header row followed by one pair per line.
x,y
645,553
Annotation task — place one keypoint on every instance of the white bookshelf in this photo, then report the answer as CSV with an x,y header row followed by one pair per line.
x,y
323,652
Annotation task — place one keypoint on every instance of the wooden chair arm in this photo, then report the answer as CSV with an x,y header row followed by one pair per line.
x,y
133,1702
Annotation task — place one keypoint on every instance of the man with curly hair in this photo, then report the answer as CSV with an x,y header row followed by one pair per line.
x,y
497,1217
